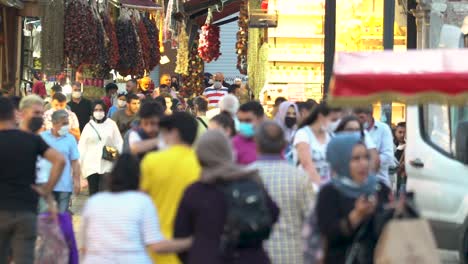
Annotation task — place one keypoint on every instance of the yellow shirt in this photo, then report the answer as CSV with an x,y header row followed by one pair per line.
x,y
164,176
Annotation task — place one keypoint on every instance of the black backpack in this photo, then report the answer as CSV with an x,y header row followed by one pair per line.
x,y
249,220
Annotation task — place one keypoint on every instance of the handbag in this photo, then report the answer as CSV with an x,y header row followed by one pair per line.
x,y
109,153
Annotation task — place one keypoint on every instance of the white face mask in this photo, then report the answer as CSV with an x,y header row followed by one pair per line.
x,y
332,126
76,95
99,115
63,130
121,103
217,85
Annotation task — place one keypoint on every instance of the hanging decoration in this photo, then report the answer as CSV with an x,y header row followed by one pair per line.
x,y
81,34
242,38
154,44
145,43
209,46
192,83
173,22
52,36
112,45
130,54
182,52
102,67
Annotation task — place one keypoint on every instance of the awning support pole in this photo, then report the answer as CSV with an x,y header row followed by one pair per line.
x,y
388,41
329,43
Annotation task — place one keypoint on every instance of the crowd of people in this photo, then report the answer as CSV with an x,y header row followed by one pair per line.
x,y
211,180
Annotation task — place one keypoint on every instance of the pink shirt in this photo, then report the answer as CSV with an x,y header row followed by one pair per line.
x,y
245,150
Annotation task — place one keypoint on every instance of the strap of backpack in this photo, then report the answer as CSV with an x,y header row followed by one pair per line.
x,y
99,136
203,122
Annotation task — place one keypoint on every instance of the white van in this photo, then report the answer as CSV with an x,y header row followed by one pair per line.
x,y
437,169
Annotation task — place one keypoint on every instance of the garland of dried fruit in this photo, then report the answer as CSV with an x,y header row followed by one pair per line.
x,y
145,43
153,36
52,36
81,37
182,52
130,55
112,44
102,67
192,84
208,48
242,38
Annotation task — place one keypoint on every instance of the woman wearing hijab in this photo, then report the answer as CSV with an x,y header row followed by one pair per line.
x,y
351,200
287,119
99,132
203,210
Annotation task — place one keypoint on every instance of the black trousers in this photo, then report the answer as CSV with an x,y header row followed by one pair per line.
x,y
95,183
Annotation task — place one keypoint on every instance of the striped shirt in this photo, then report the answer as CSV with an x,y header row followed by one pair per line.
x,y
214,95
117,227
292,191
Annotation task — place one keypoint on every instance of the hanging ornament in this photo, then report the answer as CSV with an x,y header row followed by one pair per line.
x,y
182,52
209,46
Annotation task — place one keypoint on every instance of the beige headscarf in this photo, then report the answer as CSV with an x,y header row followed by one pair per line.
x,y
215,154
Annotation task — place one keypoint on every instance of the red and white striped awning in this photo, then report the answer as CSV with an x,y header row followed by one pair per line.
x,y
409,77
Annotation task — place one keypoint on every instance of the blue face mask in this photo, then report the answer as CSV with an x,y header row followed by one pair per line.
x,y
246,129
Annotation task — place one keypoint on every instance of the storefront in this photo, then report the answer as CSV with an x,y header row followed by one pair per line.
x,y
296,47
9,41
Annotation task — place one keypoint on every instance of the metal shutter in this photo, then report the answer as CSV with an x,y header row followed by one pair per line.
x,y
226,63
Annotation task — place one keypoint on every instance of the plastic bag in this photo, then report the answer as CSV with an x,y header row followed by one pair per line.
x,y
51,247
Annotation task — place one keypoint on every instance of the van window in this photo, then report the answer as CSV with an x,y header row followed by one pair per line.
x,y
441,123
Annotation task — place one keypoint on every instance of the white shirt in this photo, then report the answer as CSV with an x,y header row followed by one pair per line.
x,y
90,147
318,152
117,227
382,137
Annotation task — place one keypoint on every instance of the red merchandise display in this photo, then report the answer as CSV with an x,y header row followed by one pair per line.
x,y
208,48
153,37
112,44
81,37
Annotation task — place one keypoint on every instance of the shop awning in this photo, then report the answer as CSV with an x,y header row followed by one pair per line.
x,y
198,9
140,4
413,77
12,3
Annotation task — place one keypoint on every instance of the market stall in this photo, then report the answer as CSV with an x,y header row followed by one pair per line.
x,y
295,47
92,42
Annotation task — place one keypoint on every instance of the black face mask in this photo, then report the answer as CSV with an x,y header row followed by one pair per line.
x,y
290,121
35,124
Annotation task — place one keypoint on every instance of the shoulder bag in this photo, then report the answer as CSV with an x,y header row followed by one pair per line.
x,y
108,153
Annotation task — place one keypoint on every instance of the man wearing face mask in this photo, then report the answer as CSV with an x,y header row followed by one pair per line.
x,y
121,104
32,111
216,92
125,117
80,106
59,138
383,139
59,102
250,115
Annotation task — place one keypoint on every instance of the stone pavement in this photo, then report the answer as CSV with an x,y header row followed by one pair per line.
x,y
77,205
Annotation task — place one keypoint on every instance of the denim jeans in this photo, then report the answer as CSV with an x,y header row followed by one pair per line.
x,y
18,234
62,199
